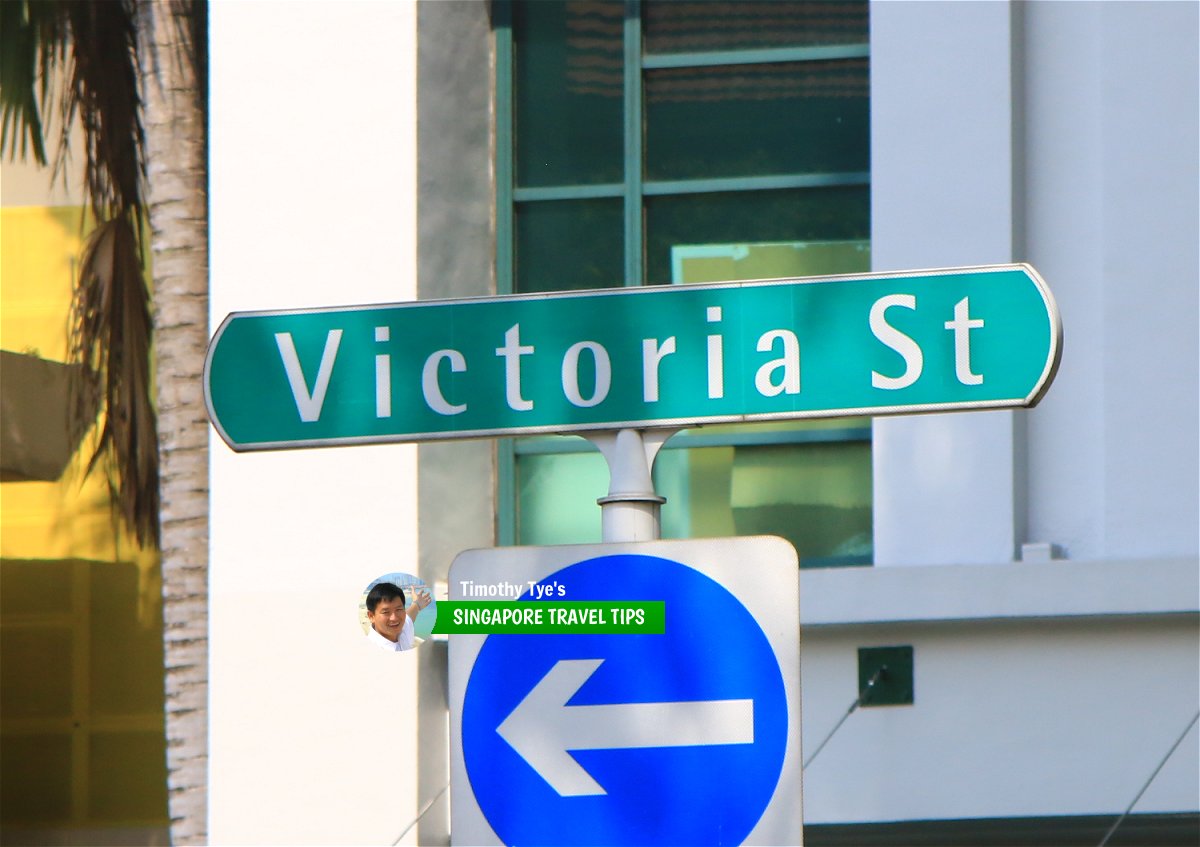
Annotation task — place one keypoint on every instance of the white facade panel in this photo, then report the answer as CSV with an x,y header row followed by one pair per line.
x,y
1064,237
942,165
1045,690
1151,167
313,176
1099,193
1111,93
1010,719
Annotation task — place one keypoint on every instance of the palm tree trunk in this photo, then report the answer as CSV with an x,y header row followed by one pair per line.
x,y
173,92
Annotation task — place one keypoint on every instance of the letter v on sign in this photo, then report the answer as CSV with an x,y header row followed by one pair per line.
x,y
308,404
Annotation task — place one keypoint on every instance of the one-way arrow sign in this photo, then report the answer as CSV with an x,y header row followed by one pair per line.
x,y
688,736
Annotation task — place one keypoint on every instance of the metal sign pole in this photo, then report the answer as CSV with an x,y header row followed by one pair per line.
x,y
630,510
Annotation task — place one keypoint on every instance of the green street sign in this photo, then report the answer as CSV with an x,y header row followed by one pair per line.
x,y
865,344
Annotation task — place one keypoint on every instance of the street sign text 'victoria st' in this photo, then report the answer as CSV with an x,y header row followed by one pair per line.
x,y
964,338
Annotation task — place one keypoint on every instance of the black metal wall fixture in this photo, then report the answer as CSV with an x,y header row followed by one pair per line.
x,y
885,676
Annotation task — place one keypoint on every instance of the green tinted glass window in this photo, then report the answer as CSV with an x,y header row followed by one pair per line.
x,y
745,120
810,214
556,497
817,496
567,92
770,260
568,245
675,27
653,142
807,481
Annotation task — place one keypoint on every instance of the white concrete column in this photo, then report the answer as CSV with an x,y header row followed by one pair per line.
x,y
312,203
944,171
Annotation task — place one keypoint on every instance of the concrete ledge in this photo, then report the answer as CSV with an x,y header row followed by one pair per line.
x,y
1056,589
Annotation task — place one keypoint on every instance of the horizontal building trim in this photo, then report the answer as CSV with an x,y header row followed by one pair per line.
x,y
1018,590
823,53
558,445
66,724
653,188
1160,830
660,188
568,192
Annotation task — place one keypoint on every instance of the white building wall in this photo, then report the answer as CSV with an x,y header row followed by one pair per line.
x,y
1064,134
1112,200
1040,690
1065,238
942,195
313,182
1011,719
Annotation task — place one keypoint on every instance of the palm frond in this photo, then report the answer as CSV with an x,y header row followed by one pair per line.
x,y
111,337
102,91
81,59
34,39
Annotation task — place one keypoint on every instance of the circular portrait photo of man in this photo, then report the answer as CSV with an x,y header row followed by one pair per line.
x,y
397,612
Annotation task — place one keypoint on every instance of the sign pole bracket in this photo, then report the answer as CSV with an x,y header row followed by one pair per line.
x,y
631,509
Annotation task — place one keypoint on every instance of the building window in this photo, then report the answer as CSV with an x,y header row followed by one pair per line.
x,y
656,143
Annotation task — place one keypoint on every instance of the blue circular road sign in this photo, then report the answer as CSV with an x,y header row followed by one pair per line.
x,y
676,738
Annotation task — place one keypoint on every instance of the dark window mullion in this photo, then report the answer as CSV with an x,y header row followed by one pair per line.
x,y
504,147
648,188
633,143
506,507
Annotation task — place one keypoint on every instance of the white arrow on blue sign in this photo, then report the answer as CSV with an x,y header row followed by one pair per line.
x,y
543,727
691,736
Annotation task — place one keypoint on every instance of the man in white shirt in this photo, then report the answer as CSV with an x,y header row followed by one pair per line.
x,y
391,623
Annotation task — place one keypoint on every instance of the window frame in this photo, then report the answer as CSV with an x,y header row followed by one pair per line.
x,y
633,191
